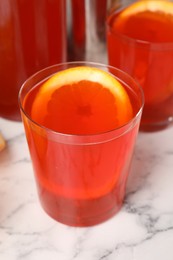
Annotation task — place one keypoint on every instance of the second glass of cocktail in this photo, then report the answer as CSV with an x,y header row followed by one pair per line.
x,y
81,122
140,42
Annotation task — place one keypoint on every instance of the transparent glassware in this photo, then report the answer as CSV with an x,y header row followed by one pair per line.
x,y
81,179
151,63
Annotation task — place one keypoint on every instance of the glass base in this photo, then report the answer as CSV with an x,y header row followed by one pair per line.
x,y
82,212
156,126
84,222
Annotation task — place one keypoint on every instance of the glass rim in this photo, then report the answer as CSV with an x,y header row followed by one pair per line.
x,y
98,137
157,46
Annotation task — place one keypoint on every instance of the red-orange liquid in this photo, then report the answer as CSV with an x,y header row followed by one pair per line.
x,y
80,184
32,36
143,47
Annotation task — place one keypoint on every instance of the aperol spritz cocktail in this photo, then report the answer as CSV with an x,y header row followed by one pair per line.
x,y
81,124
140,42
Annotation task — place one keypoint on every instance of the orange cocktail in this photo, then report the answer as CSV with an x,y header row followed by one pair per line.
x,y
32,36
140,42
81,124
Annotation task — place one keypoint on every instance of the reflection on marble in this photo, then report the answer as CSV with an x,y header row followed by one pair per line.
x,y
142,230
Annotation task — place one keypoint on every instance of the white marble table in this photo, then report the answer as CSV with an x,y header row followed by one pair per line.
x,y
142,230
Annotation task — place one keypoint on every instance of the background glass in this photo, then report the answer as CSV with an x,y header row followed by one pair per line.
x,y
86,38
152,65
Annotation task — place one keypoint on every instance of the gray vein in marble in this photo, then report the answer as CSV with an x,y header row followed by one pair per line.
x,y
79,243
107,253
23,160
15,211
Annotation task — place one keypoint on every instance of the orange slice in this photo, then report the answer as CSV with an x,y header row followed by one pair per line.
x,y
148,9
82,100
149,15
153,6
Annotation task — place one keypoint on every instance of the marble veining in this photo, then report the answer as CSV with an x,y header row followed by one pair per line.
x,y
142,230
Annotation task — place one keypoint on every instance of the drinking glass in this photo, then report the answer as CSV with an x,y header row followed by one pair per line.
x,y
151,63
81,179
